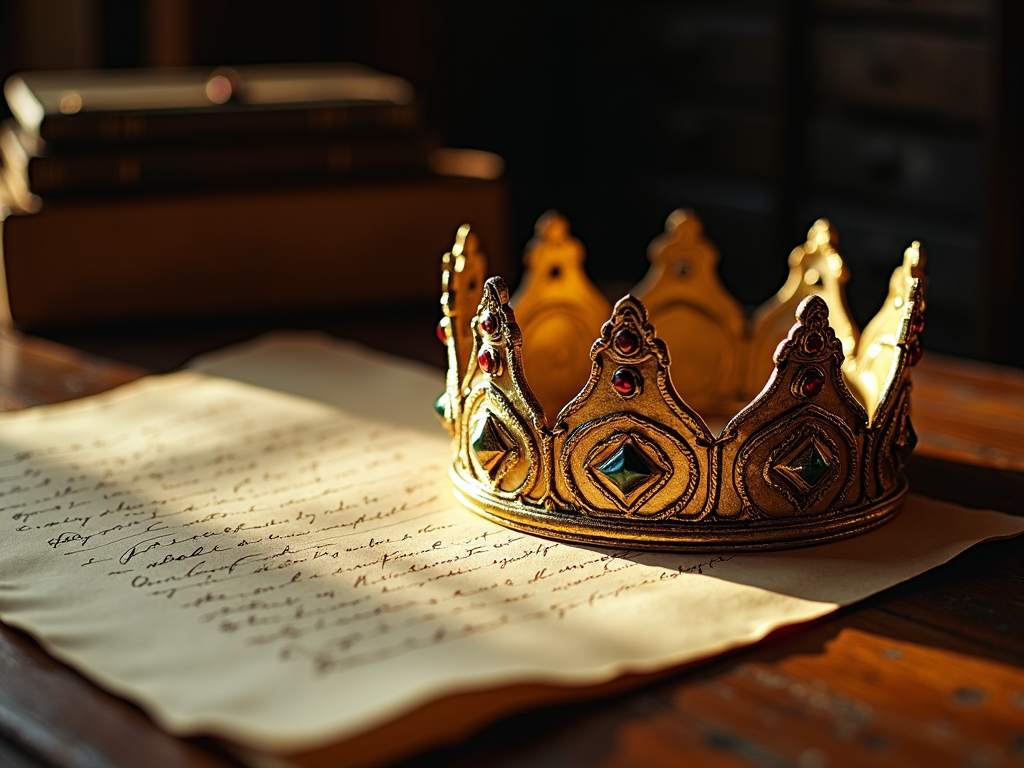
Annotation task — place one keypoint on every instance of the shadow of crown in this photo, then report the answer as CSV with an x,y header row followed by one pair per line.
x,y
599,443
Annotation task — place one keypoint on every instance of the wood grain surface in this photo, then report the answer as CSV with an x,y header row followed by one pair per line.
x,y
930,672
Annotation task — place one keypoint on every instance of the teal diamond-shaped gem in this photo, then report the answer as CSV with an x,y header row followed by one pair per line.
x,y
441,404
489,444
809,465
626,468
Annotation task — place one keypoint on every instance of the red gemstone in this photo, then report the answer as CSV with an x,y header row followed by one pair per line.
x,y
488,360
812,383
917,323
626,342
914,353
814,343
488,323
442,334
626,381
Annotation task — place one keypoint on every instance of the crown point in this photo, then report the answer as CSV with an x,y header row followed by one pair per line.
x,y
461,235
684,224
552,226
914,258
822,233
813,311
630,303
496,288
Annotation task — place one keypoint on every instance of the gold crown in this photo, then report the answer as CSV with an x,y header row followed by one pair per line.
x,y
605,447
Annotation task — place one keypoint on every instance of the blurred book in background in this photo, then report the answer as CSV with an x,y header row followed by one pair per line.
x,y
82,132
82,107
161,193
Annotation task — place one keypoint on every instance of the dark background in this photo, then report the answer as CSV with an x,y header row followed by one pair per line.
x,y
897,119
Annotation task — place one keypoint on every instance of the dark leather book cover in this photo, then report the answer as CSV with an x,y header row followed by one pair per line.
x,y
196,167
64,109
222,253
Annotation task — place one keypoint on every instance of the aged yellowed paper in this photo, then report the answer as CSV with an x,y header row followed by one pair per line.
x,y
284,573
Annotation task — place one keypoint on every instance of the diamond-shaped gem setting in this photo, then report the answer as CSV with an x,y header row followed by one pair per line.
x,y
806,466
489,443
441,404
627,469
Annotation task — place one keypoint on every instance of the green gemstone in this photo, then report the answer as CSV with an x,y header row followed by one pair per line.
x,y
489,444
627,468
441,404
810,466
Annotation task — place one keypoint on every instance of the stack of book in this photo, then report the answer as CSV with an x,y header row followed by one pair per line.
x,y
129,194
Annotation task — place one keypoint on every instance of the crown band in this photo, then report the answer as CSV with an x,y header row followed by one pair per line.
x,y
626,461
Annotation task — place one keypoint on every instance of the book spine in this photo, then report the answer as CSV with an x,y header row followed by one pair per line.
x,y
202,167
224,253
212,125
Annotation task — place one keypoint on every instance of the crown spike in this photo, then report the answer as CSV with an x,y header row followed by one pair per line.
x,y
889,348
915,259
501,444
891,343
812,334
821,233
627,445
560,312
552,227
700,321
815,268
794,450
463,270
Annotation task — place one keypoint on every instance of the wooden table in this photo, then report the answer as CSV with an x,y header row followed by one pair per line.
x,y
930,672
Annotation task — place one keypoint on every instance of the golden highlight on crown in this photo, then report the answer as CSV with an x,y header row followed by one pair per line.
x,y
599,442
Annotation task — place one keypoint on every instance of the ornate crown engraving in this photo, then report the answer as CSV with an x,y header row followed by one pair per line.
x,y
606,447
